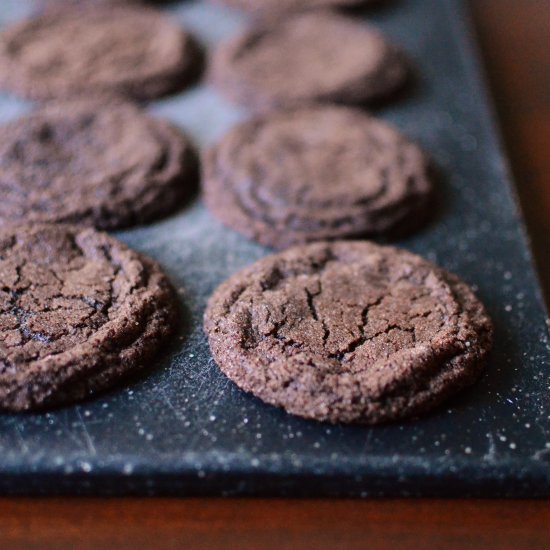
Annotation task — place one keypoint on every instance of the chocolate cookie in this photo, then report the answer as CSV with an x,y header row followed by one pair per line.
x,y
277,8
65,4
130,51
107,164
348,332
78,310
309,57
320,172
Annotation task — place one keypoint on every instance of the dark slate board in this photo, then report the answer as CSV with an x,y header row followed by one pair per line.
x,y
185,429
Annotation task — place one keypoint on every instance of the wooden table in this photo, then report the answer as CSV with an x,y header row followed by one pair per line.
x,y
514,40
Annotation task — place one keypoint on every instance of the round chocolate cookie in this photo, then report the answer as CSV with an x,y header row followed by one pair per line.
x,y
78,310
70,4
309,57
348,332
130,51
314,173
278,8
108,164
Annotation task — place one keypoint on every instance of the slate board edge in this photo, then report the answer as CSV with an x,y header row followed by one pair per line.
x,y
476,67
503,480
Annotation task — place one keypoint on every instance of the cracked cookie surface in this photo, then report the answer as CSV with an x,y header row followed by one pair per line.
x,y
348,332
130,51
105,164
316,173
78,310
310,57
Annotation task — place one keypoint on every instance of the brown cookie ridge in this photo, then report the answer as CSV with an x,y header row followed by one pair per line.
x,y
311,57
348,332
78,311
130,51
315,173
103,163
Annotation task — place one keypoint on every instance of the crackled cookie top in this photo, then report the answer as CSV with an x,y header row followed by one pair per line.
x,y
78,309
309,57
348,331
316,173
119,50
107,164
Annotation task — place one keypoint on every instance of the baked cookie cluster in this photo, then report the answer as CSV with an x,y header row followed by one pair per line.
x,y
328,328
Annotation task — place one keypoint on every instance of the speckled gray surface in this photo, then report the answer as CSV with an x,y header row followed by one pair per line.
x,y
185,429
